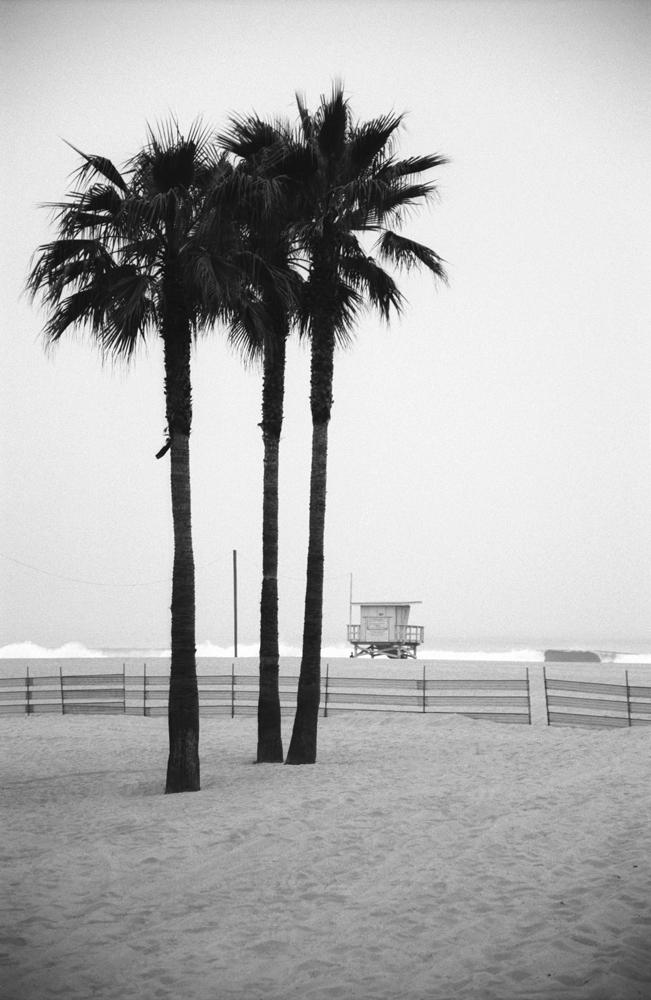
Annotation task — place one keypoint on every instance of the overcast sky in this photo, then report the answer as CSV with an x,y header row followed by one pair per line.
x,y
489,450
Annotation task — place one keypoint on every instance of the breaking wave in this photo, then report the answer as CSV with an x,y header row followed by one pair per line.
x,y
30,651
78,651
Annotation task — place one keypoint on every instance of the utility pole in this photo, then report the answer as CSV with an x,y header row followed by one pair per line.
x,y
350,605
235,602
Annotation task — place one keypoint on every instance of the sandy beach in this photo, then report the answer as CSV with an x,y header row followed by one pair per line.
x,y
422,858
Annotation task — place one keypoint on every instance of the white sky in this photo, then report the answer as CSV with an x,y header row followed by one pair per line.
x,y
489,452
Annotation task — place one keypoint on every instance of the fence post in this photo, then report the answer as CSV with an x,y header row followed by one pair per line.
x,y
628,699
529,696
144,689
232,690
545,686
325,703
424,683
63,707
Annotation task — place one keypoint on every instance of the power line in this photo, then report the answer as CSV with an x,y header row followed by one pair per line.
x,y
149,583
101,583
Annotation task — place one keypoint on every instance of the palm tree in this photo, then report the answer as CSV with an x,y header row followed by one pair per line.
x,y
349,184
267,211
139,252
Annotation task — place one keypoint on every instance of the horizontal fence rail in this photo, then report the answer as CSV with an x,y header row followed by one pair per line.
x,y
498,700
592,703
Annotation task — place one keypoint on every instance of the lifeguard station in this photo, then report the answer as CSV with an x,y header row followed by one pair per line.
x,y
384,630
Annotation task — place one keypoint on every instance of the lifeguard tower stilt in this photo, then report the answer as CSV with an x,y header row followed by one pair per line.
x,y
384,631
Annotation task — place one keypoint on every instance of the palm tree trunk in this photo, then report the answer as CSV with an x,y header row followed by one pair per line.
x,y
183,710
270,747
302,749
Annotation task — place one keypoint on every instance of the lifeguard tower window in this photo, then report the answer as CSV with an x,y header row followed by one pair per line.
x,y
384,630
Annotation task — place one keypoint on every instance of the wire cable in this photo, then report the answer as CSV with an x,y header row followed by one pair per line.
x,y
102,583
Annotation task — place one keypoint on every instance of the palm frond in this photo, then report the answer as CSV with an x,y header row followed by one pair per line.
x,y
211,173
344,302
146,252
171,161
393,169
101,198
51,267
81,309
367,277
89,210
250,329
214,285
206,142
406,254
333,121
98,165
306,121
249,195
248,136
131,290
369,139
386,202
348,303
297,164
131,314
174,168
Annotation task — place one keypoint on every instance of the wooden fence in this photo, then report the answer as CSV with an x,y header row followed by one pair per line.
x,y
591,703
503,700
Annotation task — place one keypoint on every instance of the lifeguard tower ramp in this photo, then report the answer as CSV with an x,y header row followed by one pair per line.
x,y
384,630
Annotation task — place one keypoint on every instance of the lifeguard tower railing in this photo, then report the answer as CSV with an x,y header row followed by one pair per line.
x,y
402,633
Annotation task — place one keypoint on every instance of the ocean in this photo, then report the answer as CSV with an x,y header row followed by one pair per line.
x,y
18,659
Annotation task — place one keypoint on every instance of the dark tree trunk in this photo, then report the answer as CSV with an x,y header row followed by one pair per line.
x,y
270,747
183,711
302,749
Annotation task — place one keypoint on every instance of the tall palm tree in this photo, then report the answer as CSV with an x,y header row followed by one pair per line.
x,y
266,213
137,253
350,185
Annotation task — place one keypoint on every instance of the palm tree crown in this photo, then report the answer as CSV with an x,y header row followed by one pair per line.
x,y
349,184
123,235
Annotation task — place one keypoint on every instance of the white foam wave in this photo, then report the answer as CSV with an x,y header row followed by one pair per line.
x,y
78,651
253,650
208,648
30,651
517,655
343,652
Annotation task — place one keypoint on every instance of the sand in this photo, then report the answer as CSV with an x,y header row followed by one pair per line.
x,y
421,857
